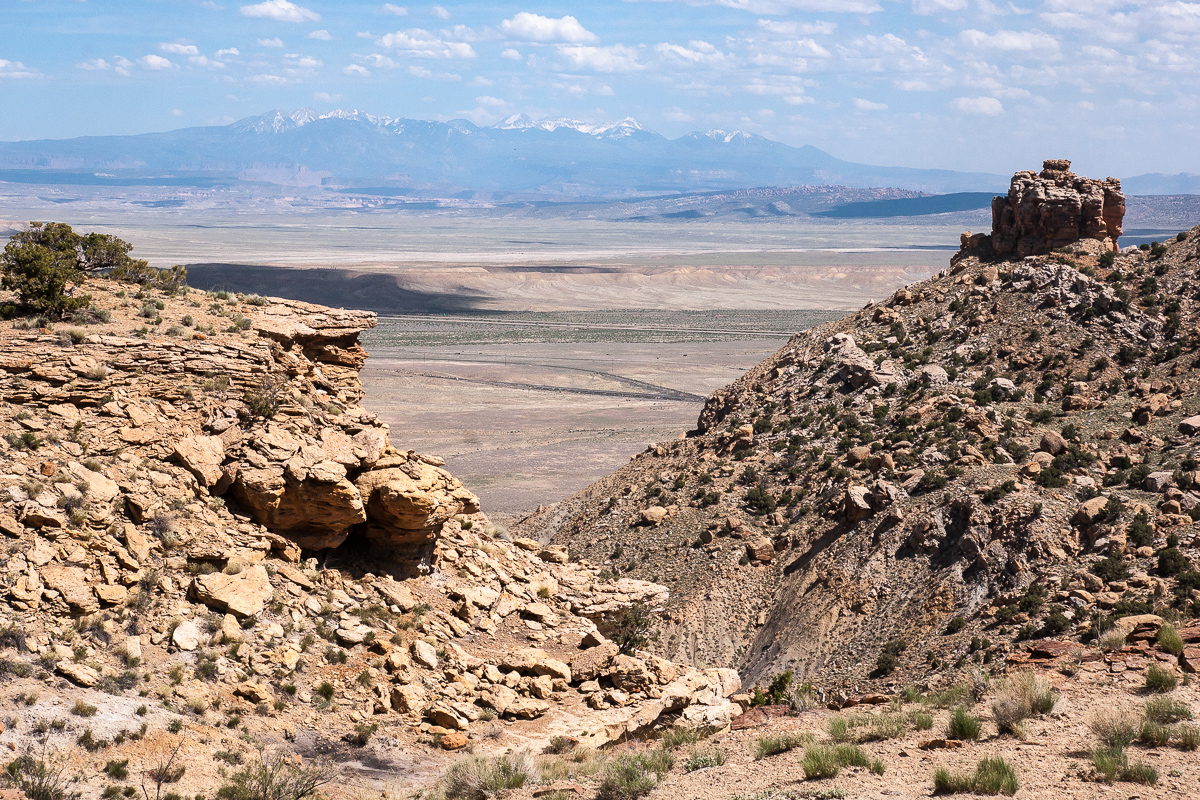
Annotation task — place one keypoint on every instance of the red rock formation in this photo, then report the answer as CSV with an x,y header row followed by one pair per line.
x,y
1055,208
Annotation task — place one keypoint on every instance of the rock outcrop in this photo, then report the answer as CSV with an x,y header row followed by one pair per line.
x,y
1055,208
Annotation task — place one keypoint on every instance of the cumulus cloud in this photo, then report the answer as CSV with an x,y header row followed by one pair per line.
x,y
356,69
789,88
1011,41
788,6
15,69
614,58
797,28
511,54
422,43
178,49
867,105
392,8
536,28
281,11
491,102
326,97
989,106
428,74
275,42
205,61
96,64
440,12
697,51
122,65
270,80
228,51
321,35
927,7
154,62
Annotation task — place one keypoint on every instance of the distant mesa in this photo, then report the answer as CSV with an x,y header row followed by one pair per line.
x,y
1052,209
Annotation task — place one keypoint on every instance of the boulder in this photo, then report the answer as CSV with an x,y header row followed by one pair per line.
x,y
408,504
654,515
186,636
855,505
531,660
71,583
424,654
592,663
315,514
1091,512
1190,426
243,595
630,674
760,549
1158,482
79,674
409,698
1052,443
202,456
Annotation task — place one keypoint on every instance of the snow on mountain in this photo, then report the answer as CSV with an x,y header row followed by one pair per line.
x,y
625,127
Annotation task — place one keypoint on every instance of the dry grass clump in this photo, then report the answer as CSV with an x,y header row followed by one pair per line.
x,y
476,777
1159,680
992,776
780,743
703,759
822,762
632,775
1025,695
1170,640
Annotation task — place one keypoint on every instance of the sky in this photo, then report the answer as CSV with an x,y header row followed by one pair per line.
x,y
981,85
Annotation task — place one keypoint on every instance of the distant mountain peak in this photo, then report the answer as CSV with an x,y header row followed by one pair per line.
x,y
624,127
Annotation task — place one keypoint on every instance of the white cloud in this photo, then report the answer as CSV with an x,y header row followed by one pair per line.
x,y
424,44
440,12
797,28
15,69
321,35
479,80
927,7
326,97
511,54
281,11
392,8
788,6
867,105
270,80
275,42
428,74
790,88
155,62
228,51
536,28
356,69
696,51
303,62
989,106
1011,41
491,102
614,58
122,65
179,49
205,61
177,112
95,65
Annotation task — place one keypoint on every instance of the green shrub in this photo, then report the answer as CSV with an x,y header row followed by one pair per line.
x,y
1188,737
82,709
1166,710
963,725
633,629
42,776
672,737
820,763
1154,734
275,776
993,775
922,721
1115,730
1159,680
703,759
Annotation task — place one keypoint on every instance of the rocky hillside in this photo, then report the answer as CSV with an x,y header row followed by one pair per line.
x,y
1004,453
211,547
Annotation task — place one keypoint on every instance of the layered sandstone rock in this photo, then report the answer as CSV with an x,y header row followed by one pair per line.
x,y
1055,208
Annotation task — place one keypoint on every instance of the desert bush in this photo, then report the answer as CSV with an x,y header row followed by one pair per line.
x,y
82,709
1112,641
1159,680
676,737
632,775
1165,710
1023,696
922,721
559,745
1154,734
703,759
275,776
632,629
1112,764
1187,737
780,743
1115,729
963,725
883,727
41,775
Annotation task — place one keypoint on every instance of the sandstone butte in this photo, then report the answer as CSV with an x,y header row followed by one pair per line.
x,y
977,492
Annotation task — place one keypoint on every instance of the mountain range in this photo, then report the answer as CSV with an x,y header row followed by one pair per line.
x,y
519,159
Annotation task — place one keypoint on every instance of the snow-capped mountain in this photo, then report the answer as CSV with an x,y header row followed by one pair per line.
x,y
552,157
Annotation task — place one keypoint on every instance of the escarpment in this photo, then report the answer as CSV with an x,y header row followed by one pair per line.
x,y
194,507
1001,455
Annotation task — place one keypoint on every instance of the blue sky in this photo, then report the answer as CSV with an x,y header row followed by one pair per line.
x,y
965,84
